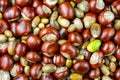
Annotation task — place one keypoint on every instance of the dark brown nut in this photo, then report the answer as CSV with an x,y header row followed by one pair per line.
x,y
21,77
43,11
16,70
6,62
50,3
46,60
23,3
106,17
81,67
36,3
49,34
11,47
117,53
21,49
63,33
13,26
86,34
86,54
107,34
76,1
96,6
3,48
75,38
66,10
89,19
49,48
33,42
58,60
117,37
12,13
4,75
115,6
86,79
35,71
61,73
33,56
4,4
49,68
68,50
96,59
109,1
23,28
117,74
94,73
3,26
46,76
28,13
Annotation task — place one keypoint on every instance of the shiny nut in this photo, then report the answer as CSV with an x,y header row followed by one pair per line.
x,y
49,68
21,77
11,47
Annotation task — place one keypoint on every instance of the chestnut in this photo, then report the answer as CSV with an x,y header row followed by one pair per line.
x,y
68,50
81,67
21,49
75,38
28,13
117,53
23,28
4,4
35,71
48,68
3,26
46,76
94,73
23,3
76,1
33,42
3,48
13,26
61,73
107,34
49,34
33,56
96,6
50,3
16,69
96,59
86,54
49,48
106,17
107,47
115,6
46,60
58,60
109,1
63,33
36,3
117,37
21,77
66,10
6,62
12,13
86,35
117,74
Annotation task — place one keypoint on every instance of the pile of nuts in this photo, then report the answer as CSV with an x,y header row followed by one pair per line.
x,y
59,39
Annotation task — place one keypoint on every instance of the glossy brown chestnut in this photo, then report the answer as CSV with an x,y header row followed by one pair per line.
x,y
96,6
116,6
49,34
12,13
21,49
4,4
66,10
117,37
33,56
50,3
45,76
107,47
61,73
86,54
94,73
28,13
33,42
6,62
96,59
63,33
75,38
117,53
21,77
23,28
49,48
3,26
46,60
107,34
36,3
35,71
105,17
58,60
76,1
68,50
117,74
23,3
109,1
13,26
86,35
